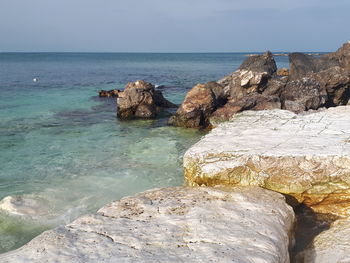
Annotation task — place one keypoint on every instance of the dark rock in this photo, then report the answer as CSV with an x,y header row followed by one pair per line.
x,y
252,76
109,93
275,86
336,81
260,63
303,94
251,102
342,56
301,64
140,100
198,105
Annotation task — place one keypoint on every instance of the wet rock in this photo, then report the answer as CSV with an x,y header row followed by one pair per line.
x,y
303,94
173,225
332,245
140,99
109,93
305,156
199,103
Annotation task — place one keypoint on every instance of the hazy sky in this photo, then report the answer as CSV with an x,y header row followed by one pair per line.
x,y
173,25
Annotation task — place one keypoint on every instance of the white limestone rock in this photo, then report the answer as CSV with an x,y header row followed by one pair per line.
x,y
306,156
173,225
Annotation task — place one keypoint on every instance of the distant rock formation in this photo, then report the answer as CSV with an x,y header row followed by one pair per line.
x,y
310,83
173,225
109,93
140,99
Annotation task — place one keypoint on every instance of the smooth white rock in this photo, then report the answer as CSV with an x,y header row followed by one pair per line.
x,y
173,225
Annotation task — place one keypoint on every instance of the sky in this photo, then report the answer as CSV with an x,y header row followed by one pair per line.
x,y
173,25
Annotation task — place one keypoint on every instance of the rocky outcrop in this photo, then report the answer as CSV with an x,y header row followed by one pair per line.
x,y
303,94
332,245
304,156
140,99
312,82
199,104
173,225
109,93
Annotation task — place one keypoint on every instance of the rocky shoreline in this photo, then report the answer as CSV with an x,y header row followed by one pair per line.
x,y
274,146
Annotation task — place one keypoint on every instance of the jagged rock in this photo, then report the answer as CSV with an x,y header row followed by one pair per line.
x,y
301,65
303,94
336,82
109,93
251,76
283,72
173,225
305,156
342,56
275,86
252,102
332,245
198,105
140,100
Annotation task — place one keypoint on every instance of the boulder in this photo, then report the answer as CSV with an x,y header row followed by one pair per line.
x,y
109,93
332,245
140,99
336,82
251,76
199,103
304,156
303,94
301,65
252,102
342,56
173,225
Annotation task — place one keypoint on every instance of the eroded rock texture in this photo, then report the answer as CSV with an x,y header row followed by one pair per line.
x,y
305,156
173,225
140,99
311,83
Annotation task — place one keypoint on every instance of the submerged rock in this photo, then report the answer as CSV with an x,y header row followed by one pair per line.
x,y
109,93
140,99
304,156
332,245
173,225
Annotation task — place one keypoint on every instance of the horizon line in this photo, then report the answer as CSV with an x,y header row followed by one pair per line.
x,y
159,52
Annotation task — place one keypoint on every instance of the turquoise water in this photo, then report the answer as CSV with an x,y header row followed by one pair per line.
x,y
62,150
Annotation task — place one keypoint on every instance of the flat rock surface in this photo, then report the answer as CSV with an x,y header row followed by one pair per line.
x,y
306,156
243,224
332,245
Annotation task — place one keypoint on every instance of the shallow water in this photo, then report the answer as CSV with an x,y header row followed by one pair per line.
x,y
63,151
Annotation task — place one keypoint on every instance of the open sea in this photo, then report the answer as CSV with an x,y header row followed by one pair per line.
x,y
63,153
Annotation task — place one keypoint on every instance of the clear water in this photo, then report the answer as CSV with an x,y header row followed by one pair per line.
x,y
63,149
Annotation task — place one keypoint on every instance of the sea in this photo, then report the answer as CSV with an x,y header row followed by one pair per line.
x,y
63,152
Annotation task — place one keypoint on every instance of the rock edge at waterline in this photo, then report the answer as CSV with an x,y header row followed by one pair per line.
x,y
173,225
305,156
